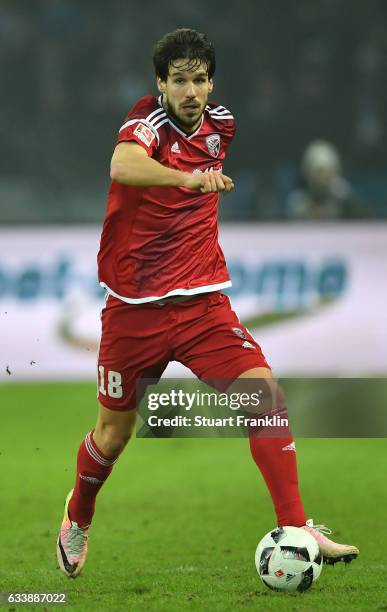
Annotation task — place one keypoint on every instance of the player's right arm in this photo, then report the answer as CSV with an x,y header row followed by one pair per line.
x,y
131,165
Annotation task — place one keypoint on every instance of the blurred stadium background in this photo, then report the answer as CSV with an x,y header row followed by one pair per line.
x,y
304,231
305,236
290,71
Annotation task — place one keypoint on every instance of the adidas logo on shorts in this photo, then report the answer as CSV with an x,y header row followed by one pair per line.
x,y
248,344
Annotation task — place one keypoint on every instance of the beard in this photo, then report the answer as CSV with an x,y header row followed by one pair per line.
x,y
184,122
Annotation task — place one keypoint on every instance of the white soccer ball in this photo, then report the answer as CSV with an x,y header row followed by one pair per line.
x,y
288,559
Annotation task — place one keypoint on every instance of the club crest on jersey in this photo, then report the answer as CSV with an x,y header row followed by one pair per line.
x,y
213,144
239,332
144,133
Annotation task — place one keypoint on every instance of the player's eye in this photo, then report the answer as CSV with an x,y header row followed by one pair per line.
x,y
179,81
200,80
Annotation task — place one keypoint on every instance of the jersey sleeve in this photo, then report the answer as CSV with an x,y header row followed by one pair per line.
x,y
140,127
223,122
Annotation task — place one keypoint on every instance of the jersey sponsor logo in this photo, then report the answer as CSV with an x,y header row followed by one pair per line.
x,y
209,169
175,148
145,134
213,144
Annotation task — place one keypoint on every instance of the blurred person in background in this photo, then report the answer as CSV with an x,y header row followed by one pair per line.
x,y
324,193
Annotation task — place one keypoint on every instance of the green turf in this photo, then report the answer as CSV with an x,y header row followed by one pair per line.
x,y
178,522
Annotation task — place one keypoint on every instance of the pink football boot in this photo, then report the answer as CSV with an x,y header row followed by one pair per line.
x,y
331,552
71,547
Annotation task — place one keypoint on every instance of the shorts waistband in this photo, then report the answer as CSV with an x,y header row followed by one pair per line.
x,y
177,299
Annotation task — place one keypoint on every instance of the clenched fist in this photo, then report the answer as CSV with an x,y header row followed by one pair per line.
x,y
208,182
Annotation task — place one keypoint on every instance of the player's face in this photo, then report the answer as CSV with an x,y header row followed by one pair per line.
x,y
185,93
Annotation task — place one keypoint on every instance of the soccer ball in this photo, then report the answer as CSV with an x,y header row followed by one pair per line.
x,y
288,559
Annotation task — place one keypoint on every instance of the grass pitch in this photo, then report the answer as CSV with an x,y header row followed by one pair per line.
x,y
178,521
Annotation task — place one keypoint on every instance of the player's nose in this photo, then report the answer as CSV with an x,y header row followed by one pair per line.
x,y
190,92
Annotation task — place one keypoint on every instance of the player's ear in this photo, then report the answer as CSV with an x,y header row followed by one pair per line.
x,y
161,85
210,86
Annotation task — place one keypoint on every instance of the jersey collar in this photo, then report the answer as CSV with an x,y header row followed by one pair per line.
x,y
187,136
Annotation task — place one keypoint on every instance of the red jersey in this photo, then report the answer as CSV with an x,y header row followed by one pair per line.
x,y
163,241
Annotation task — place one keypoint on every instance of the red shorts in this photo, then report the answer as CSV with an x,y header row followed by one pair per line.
x,y
139,340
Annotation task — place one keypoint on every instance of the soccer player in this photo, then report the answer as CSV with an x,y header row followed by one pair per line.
x,y
163,271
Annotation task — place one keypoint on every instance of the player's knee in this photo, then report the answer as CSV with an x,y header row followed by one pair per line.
x,y
114,445
112,440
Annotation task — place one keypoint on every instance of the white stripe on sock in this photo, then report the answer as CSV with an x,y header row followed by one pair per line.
x,y
95,455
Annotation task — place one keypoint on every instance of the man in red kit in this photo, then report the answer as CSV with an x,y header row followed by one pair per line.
x,y
163,271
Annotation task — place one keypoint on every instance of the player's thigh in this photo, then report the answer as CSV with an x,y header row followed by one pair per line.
x,y
216,345
134,345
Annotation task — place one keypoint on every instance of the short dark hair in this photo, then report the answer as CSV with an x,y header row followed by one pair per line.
x,y
180,44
